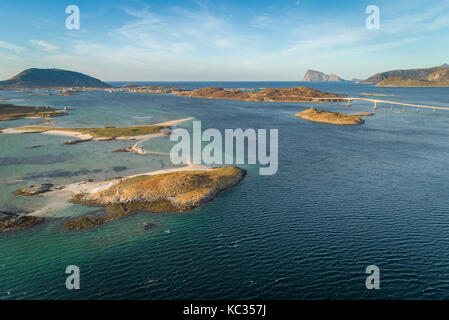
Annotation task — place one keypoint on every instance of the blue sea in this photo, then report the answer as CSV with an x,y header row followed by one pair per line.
x,y
344,198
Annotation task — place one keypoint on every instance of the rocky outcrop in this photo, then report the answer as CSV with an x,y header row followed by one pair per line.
x,y
317,76
34,190
14,222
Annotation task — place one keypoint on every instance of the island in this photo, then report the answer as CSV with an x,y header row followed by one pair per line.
x,y
336,118
294,94
168,190
317,76
425,77
13,112
137,133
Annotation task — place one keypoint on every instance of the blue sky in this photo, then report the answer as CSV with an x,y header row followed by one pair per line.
x,y
222,40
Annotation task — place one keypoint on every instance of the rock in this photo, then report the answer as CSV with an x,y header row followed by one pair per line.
x,y
149,226
17,222
34,190
364,114
77,141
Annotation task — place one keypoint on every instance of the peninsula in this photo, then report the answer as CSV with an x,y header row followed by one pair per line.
x,y
336,118
295,94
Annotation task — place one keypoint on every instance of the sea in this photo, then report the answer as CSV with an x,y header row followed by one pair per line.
x,y
343,198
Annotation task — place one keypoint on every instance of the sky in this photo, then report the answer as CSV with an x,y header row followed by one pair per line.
x,y
222,40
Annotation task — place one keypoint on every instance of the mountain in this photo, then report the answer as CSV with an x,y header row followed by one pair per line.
x,y
51,78
317,76
439,73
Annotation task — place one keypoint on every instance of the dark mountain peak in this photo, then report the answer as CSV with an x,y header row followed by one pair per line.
x,y
51,78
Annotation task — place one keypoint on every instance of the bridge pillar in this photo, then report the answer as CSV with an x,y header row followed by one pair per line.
x,y
433,110
349,103
391,107
403,108
417,109
375,105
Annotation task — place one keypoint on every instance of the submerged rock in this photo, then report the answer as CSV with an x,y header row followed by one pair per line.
x,y
34,190
149,226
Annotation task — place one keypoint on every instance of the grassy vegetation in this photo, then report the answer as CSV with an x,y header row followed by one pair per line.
x,y
13,112
174,191
400,82
108,132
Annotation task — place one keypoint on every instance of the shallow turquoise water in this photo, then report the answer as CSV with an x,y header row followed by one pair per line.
x,y
343,198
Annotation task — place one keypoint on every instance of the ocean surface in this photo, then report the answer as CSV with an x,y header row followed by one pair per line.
x,y
342,199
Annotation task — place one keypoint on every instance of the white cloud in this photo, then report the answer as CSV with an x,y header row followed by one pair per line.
x,y
44,45
10,46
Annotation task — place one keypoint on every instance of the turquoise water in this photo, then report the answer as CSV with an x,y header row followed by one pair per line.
x,y
343,198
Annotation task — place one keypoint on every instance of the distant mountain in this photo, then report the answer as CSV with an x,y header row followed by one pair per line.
x,y
51,78
317,76
439,73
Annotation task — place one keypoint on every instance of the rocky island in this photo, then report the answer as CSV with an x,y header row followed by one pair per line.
x,y
336,118
317,76
169,190
174,191
295,94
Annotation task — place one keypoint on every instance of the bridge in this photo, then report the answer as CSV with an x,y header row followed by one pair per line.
x,y
377,101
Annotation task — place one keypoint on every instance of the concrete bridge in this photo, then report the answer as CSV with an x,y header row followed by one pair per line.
x,y
377,101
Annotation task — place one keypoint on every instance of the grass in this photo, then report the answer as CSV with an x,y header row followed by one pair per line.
x,y
108,132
